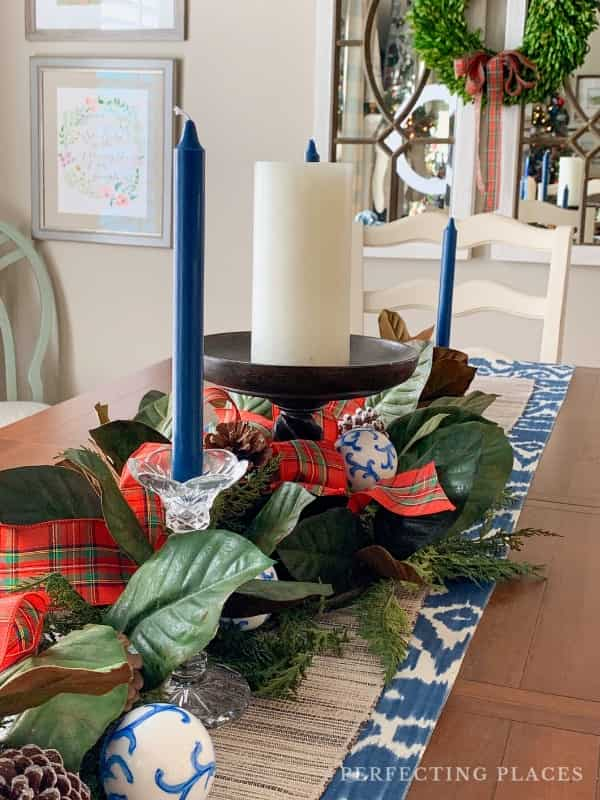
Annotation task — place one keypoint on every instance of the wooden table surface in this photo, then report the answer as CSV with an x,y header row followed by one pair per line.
x,y
528,694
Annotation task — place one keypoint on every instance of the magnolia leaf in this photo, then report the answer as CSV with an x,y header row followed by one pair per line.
x,y
101,410
393,327
403,399
90,661
254,405
120,439
450,375
171,607
150,397
322,548
382,563
120,519
263,597
156,413
69,723
278,518
475,402
473,458
432,424
403,536
30,495
404,431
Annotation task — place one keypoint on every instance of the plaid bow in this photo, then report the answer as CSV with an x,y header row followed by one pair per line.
x,y
21,625
500,73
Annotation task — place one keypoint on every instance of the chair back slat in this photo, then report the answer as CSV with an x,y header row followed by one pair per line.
x,y
10,354
10,258
473,296
24,250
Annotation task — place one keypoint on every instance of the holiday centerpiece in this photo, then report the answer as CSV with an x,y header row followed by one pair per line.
x,y
296,507
148,578
555,44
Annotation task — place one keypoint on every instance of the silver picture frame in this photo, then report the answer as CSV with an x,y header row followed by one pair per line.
x,y
49,220
34,32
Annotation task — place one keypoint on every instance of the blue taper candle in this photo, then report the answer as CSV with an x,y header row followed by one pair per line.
x,y
545,175
312,154
444,320
188,311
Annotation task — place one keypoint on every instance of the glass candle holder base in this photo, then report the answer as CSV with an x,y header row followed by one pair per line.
x,y
187,505
212,692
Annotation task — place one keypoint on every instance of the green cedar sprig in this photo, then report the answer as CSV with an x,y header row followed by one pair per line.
x,y
235,507
480,560
274,659
384,624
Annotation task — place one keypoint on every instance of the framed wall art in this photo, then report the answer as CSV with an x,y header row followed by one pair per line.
x,y
105,19
102,138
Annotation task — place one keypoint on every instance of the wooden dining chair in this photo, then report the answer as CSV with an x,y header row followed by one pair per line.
x,y
18,249
472,296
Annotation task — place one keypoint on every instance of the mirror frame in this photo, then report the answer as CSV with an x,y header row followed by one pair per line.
x,y
462,196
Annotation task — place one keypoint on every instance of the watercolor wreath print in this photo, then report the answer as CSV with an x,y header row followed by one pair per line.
x,y
101,149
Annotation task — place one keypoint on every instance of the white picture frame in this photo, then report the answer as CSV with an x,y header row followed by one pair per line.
x,y
102,140
588,94
116,20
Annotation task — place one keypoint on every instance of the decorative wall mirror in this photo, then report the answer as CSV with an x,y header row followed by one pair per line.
x,y
403,131
552,151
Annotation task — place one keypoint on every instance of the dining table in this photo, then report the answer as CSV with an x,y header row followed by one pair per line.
x,y
523,718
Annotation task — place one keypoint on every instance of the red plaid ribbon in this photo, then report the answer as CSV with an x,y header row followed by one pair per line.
x,y
320,468
21,625
501,73
80,549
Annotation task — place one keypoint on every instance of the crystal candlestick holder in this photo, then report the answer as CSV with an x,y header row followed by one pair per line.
x,y
213,693
187,505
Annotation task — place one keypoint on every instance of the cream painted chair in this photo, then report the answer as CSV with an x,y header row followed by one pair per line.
x,y
17,249
472,296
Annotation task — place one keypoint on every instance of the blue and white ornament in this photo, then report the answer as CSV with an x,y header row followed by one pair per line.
x,y
369,457
158,751
252,623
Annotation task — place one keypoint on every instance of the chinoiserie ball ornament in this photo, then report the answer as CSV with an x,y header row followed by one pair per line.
x,y
369,457
29,773
158,751
252,623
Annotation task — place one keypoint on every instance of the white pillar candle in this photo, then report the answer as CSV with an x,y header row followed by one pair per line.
x,y
302,264
570,174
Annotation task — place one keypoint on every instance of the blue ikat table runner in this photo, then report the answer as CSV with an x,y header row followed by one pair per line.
x,y
382,762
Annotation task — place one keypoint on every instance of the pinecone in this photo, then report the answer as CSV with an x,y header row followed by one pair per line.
x,y
243,440
136,681
363,418
30,773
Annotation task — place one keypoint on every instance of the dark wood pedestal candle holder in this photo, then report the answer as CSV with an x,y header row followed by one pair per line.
x,y
375,365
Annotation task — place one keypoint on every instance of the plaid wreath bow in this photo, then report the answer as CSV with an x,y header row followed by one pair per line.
x,y
498,74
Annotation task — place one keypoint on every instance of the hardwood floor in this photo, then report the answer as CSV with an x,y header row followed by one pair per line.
x,y
532,672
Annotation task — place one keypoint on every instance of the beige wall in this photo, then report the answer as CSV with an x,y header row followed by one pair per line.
x,y
247,77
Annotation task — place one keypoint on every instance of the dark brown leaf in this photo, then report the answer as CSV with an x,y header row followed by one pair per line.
x,y
382,563
450,375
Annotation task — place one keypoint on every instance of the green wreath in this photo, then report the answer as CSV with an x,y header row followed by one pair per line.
x,y
555,40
